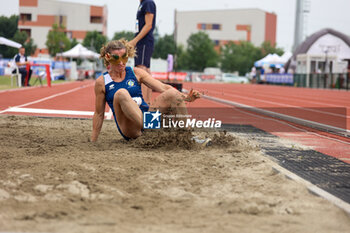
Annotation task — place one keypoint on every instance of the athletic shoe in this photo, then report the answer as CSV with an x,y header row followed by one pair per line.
x,y
202,142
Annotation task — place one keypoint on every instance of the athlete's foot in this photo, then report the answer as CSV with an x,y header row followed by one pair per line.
x,y
202,142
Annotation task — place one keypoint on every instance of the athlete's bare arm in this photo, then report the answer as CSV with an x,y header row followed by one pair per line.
x,y
145,78
100,104
154,84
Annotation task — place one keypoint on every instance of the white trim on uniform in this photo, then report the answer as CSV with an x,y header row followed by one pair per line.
x,y
143,55
107,78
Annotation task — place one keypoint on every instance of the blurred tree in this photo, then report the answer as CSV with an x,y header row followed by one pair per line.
x,y
27,43
73,42
123,34
181,59
267,48
8,28
239,57
30,47
201,52
94,41
165,45
156,34
57,41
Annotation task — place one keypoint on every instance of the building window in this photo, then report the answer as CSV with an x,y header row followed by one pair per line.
x,y
28,31
96,19
208,26
216,27
26,17
61,20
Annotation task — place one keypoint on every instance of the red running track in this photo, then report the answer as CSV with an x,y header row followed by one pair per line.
x,y
76,99
322,106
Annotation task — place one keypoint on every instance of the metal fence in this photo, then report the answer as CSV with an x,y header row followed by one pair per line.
x,y
327,81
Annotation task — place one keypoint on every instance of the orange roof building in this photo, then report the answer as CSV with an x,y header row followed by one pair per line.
x,y
38,16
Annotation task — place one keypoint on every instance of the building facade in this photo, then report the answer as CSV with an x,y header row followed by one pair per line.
x,y
223,26
38,16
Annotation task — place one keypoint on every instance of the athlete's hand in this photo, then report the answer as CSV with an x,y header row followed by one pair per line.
x,y
132,43
192,96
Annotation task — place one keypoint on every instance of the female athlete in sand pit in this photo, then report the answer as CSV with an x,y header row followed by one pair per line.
x,y
120,87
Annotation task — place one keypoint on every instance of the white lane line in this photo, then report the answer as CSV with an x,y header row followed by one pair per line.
x,y
33,87
286,105
109,115
50,111
49,97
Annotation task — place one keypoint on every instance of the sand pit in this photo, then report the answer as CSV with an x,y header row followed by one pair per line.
x,y
53,179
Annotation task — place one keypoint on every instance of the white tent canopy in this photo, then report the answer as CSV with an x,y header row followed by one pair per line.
x,y
10,43
79,51
270,59
285,57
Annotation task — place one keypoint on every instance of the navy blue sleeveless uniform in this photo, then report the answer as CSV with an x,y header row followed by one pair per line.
x,y
130,84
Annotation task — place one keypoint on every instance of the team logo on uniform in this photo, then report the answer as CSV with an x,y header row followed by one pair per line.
x,y
131,83
111,87
151,120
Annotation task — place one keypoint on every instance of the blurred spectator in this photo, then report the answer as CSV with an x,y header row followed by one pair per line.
x,y
253,74
21,61
282,70
2,69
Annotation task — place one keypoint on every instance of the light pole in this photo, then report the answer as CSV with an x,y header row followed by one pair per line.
x,y
325,50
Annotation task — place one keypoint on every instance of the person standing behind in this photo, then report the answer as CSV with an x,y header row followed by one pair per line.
x,y
144,40
21,61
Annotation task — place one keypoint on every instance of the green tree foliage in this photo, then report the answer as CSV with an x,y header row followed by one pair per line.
x,y
57,41
267,48
73,42
201,52
165,45
123,34
8,26
9,30
94,41
182,60
27,43
30,47
156,34
239,57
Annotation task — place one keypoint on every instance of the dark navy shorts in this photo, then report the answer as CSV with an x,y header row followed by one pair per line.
x,y
144,53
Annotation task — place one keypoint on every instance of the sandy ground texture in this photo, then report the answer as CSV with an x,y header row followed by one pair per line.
x,y
52,179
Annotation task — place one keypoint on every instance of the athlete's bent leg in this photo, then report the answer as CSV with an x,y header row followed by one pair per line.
x,y
128,114
146,92
172,99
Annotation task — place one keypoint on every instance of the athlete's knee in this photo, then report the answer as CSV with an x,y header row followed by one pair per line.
x,y
121,95
173,94
136,134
